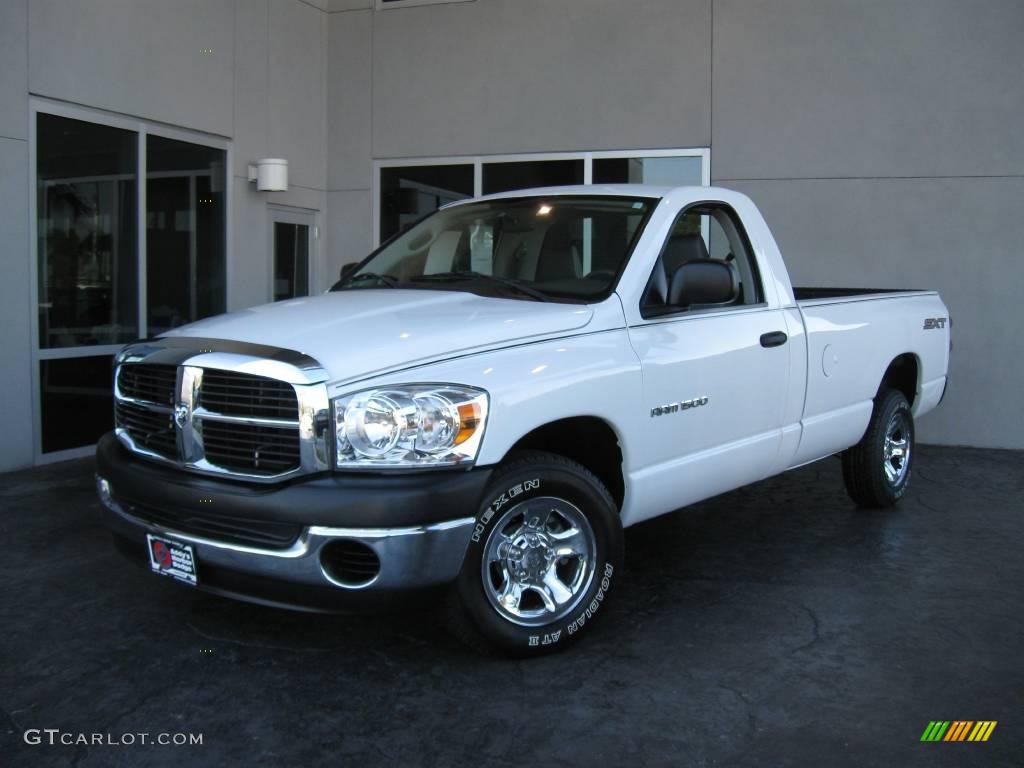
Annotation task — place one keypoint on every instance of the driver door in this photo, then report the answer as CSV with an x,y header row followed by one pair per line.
x,y
715,378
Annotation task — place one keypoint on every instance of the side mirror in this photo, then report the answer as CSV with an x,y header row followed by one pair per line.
x,y
703,281
348,269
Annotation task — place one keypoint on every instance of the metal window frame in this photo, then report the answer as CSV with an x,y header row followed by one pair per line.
x,y
143,129
478,162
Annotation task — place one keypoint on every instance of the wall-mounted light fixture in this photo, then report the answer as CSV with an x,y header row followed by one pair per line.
x,y
270,174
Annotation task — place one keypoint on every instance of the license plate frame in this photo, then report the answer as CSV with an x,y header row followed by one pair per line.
x,y
172,558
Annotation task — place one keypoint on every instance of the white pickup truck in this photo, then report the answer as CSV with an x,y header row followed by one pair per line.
x,y
484,403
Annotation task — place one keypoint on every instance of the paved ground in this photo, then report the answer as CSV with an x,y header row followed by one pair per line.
x,y
773,626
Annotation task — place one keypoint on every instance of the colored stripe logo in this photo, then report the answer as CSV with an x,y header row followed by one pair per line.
x,y
958,730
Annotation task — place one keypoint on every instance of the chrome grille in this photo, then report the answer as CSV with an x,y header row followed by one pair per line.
x,y
152,429
221,421
239,394
150,383
249,448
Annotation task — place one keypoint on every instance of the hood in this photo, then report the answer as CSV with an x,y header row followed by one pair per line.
x,y
357,333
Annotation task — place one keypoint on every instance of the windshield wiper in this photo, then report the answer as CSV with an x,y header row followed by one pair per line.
x,y
468,274
388,280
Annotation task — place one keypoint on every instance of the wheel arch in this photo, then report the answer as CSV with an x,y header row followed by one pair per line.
x,y
903,374
588,440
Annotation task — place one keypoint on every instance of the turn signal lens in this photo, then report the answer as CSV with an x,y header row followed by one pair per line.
x,y
469,420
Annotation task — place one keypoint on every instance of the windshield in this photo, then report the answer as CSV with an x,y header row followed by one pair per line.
x,y
532,248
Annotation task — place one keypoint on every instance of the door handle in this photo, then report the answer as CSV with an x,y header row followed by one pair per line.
x,y
773,339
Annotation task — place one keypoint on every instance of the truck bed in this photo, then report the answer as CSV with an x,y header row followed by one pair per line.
x,y
828,295
853,335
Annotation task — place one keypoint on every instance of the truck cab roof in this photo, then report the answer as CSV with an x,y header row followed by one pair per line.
x,y
618,190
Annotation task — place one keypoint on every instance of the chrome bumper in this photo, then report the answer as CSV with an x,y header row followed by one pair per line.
x,y
410,557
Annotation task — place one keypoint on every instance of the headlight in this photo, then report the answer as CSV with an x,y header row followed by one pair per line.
x,y
421,425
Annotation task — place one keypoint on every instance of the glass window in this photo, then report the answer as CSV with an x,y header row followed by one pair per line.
x,y
705,231
291,260
88,226
661,171
77,400
504,177
185,233
409,193
86,206
568,247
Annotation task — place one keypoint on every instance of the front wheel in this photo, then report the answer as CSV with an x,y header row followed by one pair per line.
x,y
877,470
545,550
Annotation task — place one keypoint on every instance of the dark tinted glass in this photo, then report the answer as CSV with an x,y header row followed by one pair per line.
x,y
185,232
410,193
77,401
503,177
714,231
291,260
660,171
86,204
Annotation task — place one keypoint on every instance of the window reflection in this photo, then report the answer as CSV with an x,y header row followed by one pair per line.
x,y
291,260
88,223
409,193
659,171
504,177
86,208
77,401
185,246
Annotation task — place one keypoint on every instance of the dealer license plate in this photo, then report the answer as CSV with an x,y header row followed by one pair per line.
x,y
172,558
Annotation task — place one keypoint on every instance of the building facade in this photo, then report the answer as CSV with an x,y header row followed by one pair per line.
x,y
881,139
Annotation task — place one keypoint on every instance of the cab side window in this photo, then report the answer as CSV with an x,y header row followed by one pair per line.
x,y
707,232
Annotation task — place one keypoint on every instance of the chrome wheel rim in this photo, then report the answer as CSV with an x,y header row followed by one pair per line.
x,y
896,451
538,561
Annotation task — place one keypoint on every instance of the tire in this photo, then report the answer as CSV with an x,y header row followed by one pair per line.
x,y
542,559
877,469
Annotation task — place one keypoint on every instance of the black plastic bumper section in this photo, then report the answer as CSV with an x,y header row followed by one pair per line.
x,y
340,500
276,544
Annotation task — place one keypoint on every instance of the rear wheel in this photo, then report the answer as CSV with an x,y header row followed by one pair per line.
x,y
877,470
541,561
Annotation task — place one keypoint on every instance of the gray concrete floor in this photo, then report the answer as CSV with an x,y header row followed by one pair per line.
x,y
776,625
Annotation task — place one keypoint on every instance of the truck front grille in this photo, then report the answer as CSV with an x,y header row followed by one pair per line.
x,y
251,449
240,394
153,384
237,423
150,428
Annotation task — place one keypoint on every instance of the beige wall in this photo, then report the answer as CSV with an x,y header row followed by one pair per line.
x,y
263,87
881,137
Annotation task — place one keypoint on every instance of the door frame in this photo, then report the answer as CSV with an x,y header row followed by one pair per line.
x,y
290,214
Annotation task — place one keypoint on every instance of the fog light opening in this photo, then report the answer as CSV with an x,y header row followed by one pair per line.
x,y
103,489
349,563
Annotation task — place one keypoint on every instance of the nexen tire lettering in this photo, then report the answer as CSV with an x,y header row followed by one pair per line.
x,y
501,501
